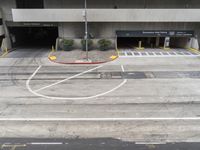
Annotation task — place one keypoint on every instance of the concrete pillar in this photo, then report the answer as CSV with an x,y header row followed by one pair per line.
x,y
189,43
195,43
157,41
167,42
6,41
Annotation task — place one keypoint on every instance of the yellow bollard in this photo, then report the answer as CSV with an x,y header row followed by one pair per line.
x,y
6,50
52,49
140,46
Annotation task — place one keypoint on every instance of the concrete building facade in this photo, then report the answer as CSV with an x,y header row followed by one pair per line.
x,y
119,20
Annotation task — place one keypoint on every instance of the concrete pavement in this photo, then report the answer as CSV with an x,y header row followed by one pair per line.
x,y
166,89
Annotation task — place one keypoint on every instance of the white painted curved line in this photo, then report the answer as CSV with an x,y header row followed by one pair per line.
x,y
74,76
70,98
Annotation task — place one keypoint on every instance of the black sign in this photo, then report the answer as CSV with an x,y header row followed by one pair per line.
x,y
160,33
30,24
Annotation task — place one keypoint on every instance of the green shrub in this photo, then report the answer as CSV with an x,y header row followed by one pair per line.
x,y
68,44
83,43
104,44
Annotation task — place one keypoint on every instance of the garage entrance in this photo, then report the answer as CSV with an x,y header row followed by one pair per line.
x,y
147,42
1,39
153,39
33,36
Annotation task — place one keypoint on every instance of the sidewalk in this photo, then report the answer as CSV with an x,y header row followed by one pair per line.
x,y
78,56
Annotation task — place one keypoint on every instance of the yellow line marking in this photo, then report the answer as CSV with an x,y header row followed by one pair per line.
x,y
194,50
113,57
166,48
140,48
52,57
5,52
3,55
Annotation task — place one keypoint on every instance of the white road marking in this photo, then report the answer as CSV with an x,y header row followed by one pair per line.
x,y
155,54
102,119
43,143
122,68
150,143
196,56
70,98
68,78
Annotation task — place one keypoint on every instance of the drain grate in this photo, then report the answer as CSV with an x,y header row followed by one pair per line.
x,y
133,75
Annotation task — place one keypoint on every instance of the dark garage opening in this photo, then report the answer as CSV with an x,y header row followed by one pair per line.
x,y
131,42
150,42
33,36
1,39
153,38
179,42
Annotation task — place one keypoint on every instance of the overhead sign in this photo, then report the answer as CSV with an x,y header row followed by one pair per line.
x,y
30,24
156,33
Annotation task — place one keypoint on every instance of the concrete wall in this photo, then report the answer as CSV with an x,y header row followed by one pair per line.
x,y
123,3
108,30
107,15
6,6
71,30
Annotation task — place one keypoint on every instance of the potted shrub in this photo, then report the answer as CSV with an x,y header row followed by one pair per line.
x,y
104,44
68,44
83,43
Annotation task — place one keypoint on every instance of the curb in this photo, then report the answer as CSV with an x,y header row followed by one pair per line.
x,y
82,63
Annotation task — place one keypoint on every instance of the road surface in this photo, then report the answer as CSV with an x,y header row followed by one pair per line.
x,y
142,100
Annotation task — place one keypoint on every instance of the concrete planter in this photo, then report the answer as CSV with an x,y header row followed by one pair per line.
x,y
77,43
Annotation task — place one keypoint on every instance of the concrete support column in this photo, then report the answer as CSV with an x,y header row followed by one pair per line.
x,y
194,43
167,42
157,41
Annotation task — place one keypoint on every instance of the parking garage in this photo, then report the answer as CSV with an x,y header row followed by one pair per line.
x,y
29,36
154,39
